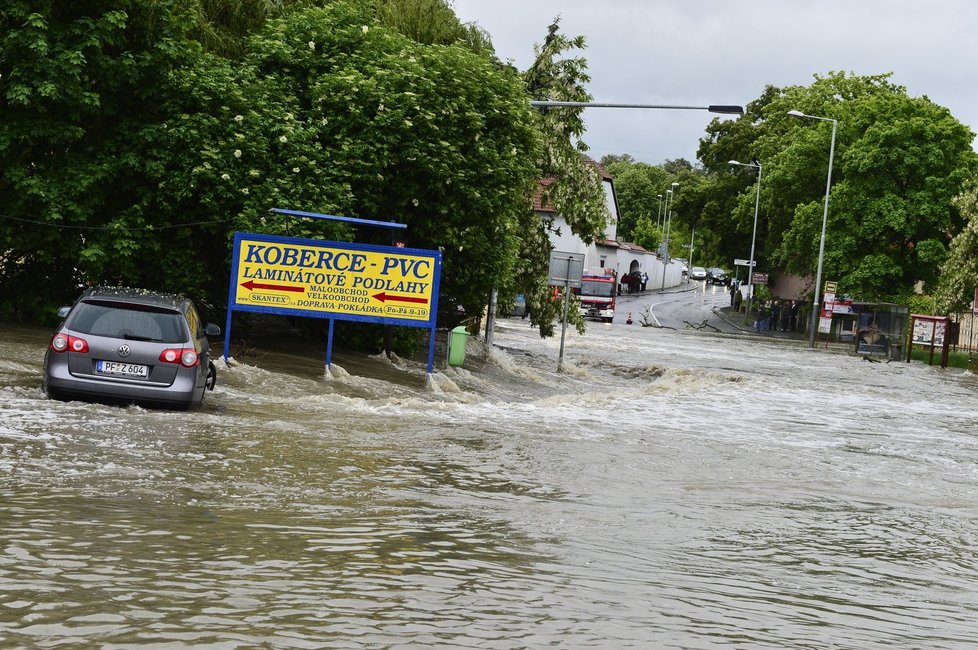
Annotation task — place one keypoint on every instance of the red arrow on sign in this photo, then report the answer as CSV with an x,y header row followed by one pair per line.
x,y
251,285
383,297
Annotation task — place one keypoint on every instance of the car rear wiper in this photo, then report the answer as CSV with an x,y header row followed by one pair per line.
x,y
136,337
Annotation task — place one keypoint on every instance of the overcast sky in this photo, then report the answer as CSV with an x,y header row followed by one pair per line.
x,y
701,52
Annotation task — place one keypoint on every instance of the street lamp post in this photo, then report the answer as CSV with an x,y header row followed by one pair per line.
x,y
665,241
825,218
753,237
664,213
659,216
662,244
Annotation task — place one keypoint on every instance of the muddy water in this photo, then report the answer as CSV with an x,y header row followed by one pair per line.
x,y
668,489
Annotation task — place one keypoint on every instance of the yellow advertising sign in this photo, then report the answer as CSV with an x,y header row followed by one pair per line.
x,y
335,279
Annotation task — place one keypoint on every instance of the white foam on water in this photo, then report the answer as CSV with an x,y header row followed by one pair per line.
x,y
335,372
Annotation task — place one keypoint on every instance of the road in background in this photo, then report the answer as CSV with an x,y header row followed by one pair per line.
x,y
690,305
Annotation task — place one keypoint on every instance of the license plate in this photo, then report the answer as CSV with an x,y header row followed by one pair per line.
x,y
118,368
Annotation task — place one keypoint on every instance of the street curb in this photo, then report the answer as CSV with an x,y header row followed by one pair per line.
x,y
767,336
740,328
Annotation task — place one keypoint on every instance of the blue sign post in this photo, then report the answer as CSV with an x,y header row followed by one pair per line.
x,y
290,276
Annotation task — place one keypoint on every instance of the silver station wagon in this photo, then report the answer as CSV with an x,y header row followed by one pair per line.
x,y
131,346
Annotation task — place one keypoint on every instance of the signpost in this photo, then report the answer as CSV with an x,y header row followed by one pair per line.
x,y
751,263
391,285
566,270
825,318
828,308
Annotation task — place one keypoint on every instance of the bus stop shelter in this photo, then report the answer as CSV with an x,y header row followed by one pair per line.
x,y
873,329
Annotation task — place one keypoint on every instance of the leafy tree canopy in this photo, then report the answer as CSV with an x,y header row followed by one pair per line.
x,y
120,126
608,160
641,191
576,191
956,288
690,215
899,160
647,234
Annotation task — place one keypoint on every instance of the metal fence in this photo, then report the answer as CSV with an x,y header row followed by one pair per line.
x,y
967,332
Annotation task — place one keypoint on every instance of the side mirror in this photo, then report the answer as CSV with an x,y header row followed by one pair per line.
x,y
210,329
63,311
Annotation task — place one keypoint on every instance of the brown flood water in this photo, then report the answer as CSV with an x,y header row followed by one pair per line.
x,y
669,489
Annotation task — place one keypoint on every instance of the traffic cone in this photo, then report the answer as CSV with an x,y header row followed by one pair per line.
x,y
628,321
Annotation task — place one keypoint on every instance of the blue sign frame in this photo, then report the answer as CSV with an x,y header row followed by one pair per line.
x,y
349,265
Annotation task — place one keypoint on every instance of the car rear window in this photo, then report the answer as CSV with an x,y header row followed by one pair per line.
x,y
125,321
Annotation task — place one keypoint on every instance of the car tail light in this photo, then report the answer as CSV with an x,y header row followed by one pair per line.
x,y
62,342
186,357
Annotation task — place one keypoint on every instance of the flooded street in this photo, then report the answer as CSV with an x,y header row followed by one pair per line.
x,y
669,489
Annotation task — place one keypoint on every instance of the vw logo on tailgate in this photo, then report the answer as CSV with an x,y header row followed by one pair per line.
x,y
124,350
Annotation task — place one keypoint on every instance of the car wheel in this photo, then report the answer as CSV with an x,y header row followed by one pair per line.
x,y
55,395
211,379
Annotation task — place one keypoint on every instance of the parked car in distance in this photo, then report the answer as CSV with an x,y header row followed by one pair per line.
x,y
697,273
716,275
683,263
123,345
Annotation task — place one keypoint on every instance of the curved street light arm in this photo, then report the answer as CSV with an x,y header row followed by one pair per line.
x,y
723,109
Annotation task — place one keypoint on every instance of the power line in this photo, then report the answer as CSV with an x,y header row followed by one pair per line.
x,y
113,228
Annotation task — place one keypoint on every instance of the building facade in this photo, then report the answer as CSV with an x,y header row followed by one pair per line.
x,y
608,255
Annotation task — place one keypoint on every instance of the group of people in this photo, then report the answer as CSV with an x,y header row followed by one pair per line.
x,y
776,315
736,296
633,282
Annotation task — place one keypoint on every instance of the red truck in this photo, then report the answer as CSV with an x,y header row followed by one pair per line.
x,y
597,295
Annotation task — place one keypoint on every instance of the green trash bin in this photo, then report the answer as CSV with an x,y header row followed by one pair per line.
x,y
456,345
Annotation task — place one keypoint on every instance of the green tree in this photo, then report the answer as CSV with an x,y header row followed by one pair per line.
x,y
77,85
956,287
727,220
677,166
609,160
431,22
694,207
899,161
576,190
120,127
638,187
646,234
690,209
223,26
440,137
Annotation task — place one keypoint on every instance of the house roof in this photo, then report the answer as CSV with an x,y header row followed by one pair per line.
x,y
538,203
632,246
601,170
544,184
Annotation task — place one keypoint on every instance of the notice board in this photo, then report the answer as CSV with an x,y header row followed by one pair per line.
x,y
335,280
